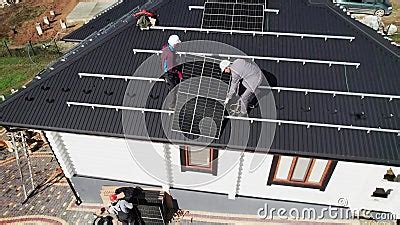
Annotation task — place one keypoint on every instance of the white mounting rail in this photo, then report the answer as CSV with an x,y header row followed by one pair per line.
x,y
279,122
277,59
117,108
277,34
196,7
334,93
126,78
276,11
279,89
308,124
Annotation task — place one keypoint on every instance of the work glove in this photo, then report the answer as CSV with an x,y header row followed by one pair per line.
x,y
226,101
180,75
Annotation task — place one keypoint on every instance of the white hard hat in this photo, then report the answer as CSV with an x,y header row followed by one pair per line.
x,y
173,40
223,64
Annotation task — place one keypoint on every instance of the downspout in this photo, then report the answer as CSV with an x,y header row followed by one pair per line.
x,y
168,167
239,177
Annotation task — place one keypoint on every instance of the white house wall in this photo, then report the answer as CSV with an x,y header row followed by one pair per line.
x,y
225,181
143,162
111,158
117,159
354,182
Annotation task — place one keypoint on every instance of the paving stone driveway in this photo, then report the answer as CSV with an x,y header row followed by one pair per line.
x,y
48,205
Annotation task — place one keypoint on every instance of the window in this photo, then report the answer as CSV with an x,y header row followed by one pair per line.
x,y
199,159
301,172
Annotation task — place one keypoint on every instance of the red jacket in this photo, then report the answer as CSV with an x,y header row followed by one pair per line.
x,y
168,60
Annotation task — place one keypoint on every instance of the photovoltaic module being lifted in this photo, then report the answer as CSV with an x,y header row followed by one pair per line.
x,y
200,105
233,16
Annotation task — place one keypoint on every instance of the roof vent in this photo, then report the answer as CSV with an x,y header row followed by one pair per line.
x,y
280,107
50,100
45,88
65,89
154,96
389,116
306,109
335,111
87,91
108,93
29,98
361,116
133,94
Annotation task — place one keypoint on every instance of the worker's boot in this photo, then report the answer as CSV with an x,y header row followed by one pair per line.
x,y
242,114
235,109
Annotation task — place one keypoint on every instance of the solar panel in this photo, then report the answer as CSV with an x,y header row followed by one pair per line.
x,y
264,2
199,108
233,16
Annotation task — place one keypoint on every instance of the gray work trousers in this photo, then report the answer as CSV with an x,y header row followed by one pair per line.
x,y
244,100
172,81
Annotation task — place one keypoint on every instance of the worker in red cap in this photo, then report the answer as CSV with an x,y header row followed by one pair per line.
x,y
172,74
144,19
121,208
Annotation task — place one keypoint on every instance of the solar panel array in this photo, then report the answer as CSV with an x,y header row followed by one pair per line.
x,y
233,16
200,109
240,1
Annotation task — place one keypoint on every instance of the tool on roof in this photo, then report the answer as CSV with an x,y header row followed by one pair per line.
x,y
145,19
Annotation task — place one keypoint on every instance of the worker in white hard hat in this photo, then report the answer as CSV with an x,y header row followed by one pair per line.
x,y
172,73
251,77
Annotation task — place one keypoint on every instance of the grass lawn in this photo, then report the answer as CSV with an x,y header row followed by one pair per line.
x,y
16,71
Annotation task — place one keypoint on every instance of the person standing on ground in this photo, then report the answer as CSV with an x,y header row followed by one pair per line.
x,y
122,209
168,64
251,77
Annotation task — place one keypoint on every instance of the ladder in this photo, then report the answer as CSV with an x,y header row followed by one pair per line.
x,y
23,161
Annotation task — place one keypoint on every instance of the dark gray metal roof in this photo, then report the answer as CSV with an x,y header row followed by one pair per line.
x,y
104,19
43,104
